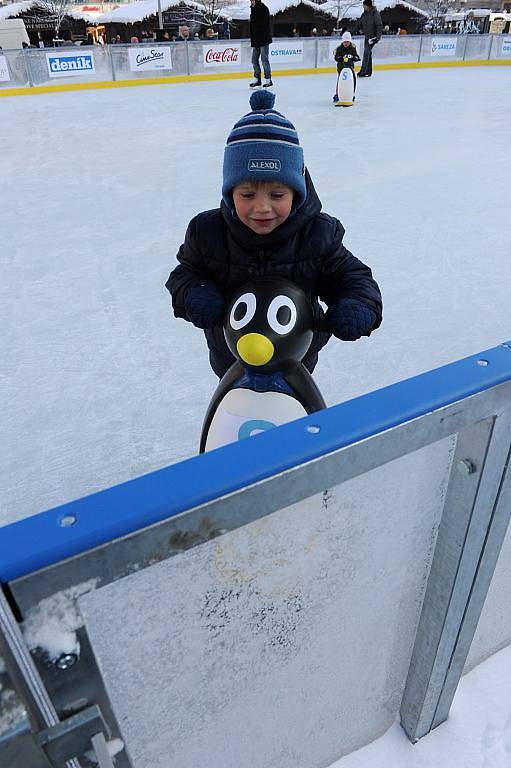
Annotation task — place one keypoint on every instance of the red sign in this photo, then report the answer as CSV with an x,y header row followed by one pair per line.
x,y
221,55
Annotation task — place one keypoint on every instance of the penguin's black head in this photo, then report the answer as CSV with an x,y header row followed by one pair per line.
x,y
269,324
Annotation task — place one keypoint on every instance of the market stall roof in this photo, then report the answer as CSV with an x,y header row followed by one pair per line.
x,y
142,9
12,10
241,10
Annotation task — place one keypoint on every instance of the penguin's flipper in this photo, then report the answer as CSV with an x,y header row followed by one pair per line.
x,y
305,389
226,382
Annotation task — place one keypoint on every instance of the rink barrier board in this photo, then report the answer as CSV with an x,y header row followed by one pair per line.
x,y
40,541
470,398
95,85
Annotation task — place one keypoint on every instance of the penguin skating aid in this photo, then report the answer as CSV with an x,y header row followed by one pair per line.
x,y
268,328
345,89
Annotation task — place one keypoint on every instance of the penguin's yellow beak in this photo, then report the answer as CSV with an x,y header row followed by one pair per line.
x,y
255,349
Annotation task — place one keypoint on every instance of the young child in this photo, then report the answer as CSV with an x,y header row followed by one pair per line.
x,y
270,223
346,55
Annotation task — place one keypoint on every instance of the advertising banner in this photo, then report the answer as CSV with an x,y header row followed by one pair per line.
x,y
4,69
285,52
147,59
221,55
506,46
66,64
443,46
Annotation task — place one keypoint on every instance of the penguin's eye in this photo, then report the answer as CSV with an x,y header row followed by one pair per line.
x,y
242,311
282,315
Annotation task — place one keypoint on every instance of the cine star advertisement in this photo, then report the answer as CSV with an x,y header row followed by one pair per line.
x,y
281,52
443,46
221,55
4,69
146,59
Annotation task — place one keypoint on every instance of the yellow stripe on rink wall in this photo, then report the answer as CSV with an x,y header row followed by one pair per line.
x,y
27,91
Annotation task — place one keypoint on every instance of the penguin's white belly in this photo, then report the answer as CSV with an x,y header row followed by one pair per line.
x,y
346,89
243,413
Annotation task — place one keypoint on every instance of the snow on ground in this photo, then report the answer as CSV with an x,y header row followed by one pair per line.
x,y
477,733
99,383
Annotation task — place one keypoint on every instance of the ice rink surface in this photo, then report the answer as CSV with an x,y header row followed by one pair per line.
x,y
99,383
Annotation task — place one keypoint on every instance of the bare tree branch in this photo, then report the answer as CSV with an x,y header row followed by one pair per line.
x,y
55,10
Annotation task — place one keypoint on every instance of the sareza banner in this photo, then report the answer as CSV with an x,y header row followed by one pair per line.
x,y
443,46
4,69
221,55
145,59
285,52
65,64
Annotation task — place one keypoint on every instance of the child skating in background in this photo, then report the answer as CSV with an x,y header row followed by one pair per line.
x,y
346,55
270,223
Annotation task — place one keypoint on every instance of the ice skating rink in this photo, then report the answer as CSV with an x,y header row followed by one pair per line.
x,y
99,383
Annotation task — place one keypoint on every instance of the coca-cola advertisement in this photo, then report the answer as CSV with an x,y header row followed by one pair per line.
x,y
221,55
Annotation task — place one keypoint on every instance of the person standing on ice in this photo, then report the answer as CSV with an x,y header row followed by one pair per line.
x,y
371,25
260,39
346,55
270,223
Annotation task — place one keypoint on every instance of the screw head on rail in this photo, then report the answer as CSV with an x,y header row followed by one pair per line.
x,y
66,660
483,362
313,429
465,467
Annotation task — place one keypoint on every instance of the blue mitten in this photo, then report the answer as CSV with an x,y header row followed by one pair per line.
x,y
349,319
205,305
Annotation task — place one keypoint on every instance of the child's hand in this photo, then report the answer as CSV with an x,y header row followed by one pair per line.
x,y
205,305
349,319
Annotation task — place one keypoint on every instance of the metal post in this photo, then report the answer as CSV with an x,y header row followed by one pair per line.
x,y
474,522
420,50
160,17
316,52
24,674
465,47
111,62
187,57
490,47
28,68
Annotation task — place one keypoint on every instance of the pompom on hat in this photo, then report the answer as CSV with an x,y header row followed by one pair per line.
x,y
263,146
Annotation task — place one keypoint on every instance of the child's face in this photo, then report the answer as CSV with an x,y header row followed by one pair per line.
x,y
346,43
262,206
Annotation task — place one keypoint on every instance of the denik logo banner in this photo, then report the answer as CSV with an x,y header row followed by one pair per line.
x,y
264,165
221,55
506,46
65,64
283,52
145,59
443,46
4,69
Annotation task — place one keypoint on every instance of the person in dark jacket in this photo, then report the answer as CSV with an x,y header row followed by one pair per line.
x,y
372,28
346,55
270,223
260,39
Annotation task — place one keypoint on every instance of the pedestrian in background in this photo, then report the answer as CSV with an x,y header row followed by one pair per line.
x,y
371,27
260,39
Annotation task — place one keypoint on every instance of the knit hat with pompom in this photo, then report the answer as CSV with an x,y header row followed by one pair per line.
x,y
263,146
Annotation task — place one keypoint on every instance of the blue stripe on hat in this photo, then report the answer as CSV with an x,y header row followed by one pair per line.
x,y
268,136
